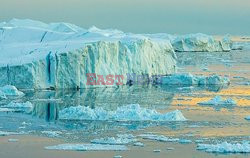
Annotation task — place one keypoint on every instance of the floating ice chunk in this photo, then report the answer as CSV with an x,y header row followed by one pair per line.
x,y
113,141
217,100
13,140
199,141
189,80
225,147
4,133
140,144
117,156
160,138
185,141
87,147
26,107
9,90
170,148
157,150
131,112
6,110
52,133
247,118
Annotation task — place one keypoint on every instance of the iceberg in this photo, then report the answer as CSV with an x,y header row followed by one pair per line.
x,y
88,147
201,43
217,100
35,55
131,112
225,147
190,80
52,133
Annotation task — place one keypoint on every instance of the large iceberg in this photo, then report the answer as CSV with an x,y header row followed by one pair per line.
x,y
131,112
35,55
201,43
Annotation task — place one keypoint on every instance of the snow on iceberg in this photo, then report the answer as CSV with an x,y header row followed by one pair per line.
x,y
225,147
160,138
201,43
25,107
189,80
131,112
10,90
217,100
88,147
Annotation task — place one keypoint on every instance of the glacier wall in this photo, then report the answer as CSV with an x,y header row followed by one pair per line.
x,y
68,69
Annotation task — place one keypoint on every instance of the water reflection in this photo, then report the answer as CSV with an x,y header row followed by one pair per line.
x,y
47,104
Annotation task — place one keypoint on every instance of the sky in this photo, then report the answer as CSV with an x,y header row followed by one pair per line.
x,y
215,17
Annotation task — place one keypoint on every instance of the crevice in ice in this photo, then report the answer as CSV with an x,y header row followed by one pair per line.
x,y
43,36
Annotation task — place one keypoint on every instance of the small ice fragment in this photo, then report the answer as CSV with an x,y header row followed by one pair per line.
x,y
140,144
158,138
185,141
121,140
88,147
170,148
199,141
157,150
52,133
26,107
117,156
13,140
247,118
217,100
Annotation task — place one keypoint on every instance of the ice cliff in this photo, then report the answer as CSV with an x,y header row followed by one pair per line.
x,y
35,55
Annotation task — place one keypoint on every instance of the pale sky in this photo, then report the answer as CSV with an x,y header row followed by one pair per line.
x,y
138,16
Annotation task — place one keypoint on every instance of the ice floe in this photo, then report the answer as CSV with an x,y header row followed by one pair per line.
x,y
52,133
217,100
247,118
5,133
225,147
25,107
132,112
10,90
189,80
120,140
140,144
160,138
185,141
13,140
88,147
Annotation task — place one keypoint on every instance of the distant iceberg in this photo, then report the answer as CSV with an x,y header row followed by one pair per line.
x,y
190,80
131,112
9,90
201,43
